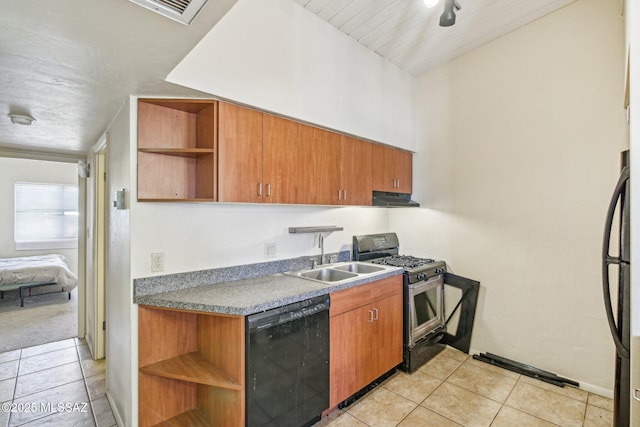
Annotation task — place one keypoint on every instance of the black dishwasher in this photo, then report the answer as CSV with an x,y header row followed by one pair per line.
x,y
287,364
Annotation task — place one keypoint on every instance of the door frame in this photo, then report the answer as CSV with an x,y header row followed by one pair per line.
x,y
96,299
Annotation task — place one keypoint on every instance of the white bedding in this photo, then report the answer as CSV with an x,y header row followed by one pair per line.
x,y
37,269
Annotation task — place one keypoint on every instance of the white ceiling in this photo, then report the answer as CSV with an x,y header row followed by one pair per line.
x,y
71,66
408,34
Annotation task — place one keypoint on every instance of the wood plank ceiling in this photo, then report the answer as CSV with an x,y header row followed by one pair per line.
x,y
407,33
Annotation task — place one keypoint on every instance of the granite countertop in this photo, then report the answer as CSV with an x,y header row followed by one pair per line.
x,y
250,295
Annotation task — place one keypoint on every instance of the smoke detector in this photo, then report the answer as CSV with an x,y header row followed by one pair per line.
x,y
182,11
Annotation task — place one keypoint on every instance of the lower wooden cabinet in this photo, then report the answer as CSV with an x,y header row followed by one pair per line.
x,y
191,368
366,335
191,365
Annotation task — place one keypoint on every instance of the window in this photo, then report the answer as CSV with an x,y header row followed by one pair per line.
x,y
46,216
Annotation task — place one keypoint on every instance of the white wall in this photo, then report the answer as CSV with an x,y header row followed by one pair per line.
x,y
23,170
518,147
121,316
197,237
277,56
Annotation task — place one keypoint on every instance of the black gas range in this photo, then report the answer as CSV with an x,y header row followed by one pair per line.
x,y
384,249
415,269
424,279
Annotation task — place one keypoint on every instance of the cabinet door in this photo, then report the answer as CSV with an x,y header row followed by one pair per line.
x,y
318,166
350,353
355,171
392,169
239,154
386,340
280,160
404,172
383,168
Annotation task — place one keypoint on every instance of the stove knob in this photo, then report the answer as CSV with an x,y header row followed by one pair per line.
x,y
439,270
421,276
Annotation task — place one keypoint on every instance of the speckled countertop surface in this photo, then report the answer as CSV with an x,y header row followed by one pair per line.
x,y
250,295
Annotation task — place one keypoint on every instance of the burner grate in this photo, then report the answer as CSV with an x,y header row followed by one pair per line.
x,y
403,261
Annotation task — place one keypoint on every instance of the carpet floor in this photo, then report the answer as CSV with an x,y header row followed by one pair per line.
x,y
43,319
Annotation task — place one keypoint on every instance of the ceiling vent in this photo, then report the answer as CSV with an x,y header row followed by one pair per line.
x,y
179,10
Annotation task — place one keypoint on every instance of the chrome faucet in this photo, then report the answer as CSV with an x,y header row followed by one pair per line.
x,y
321,246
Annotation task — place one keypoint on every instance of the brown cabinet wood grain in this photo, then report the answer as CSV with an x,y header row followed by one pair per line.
x,y
191,368
240,154
366,335
355,172
176,150
207,150
280,160
318,166
392,169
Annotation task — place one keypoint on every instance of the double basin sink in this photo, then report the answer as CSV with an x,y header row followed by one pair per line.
x,y
341,272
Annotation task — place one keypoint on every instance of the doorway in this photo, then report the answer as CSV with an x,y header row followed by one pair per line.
x,y
39,215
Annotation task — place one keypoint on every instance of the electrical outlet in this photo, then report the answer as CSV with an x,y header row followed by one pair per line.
x,y
157,261
270,250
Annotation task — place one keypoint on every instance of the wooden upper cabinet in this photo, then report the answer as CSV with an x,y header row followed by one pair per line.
x,y
176,150
280,160
239,154
355,171
392,169
207,150
405,172
318,166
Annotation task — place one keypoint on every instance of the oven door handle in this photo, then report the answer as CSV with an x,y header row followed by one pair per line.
x,y
434,339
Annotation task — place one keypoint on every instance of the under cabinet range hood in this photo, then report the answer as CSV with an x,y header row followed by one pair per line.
x,y
393,200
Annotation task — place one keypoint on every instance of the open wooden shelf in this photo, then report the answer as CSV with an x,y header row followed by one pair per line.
x,y
192,418
177,142
192,367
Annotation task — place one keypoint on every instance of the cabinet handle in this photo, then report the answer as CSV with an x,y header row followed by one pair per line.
x,y
397,183
370,317
375,317
339,194
345,194
260,189
268,190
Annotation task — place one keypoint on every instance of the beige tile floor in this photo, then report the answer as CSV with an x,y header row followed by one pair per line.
x,y
453,390
55,384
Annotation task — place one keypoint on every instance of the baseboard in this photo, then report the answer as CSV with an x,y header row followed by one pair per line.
x,y
600,391
114,409
89,340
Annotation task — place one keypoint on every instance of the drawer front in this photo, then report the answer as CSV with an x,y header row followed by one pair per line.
x,y
352,298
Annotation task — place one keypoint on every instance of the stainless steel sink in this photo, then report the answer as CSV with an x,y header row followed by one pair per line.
x,y
355,267
327,275
339,273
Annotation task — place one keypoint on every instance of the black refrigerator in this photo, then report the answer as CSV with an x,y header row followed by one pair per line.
x,y
616,270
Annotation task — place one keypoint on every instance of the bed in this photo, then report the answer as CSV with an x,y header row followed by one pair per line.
x,y
25,273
